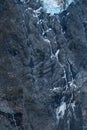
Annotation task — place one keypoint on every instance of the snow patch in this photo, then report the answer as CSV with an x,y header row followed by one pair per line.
x,y
56,54
73,105
56,89
37,11
55,6
46,40
60,111
72,84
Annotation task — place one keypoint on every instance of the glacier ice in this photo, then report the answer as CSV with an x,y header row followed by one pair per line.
x,y
55,6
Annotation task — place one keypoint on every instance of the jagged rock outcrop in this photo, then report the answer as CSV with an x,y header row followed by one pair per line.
x,y
43,67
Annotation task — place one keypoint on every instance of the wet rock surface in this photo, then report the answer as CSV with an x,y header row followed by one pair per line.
x,y
43,67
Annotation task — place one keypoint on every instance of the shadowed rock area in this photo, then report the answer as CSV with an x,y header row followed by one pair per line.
x,y
43,66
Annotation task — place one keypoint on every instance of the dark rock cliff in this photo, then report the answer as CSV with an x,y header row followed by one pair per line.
x,y
43,67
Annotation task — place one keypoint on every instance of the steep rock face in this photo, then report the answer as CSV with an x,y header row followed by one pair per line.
x,y
43,67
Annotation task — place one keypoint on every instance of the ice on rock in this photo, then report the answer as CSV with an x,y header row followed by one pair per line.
x,y
55,6
46,40
67,13
60,111
73,105
56,90
51,6
56,54
22,0
37,11
72,84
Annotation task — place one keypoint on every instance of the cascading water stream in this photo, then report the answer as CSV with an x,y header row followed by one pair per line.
x,y
15,122
68,84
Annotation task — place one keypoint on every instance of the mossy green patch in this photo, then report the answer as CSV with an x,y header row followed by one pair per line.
x,y
29,101
14,94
